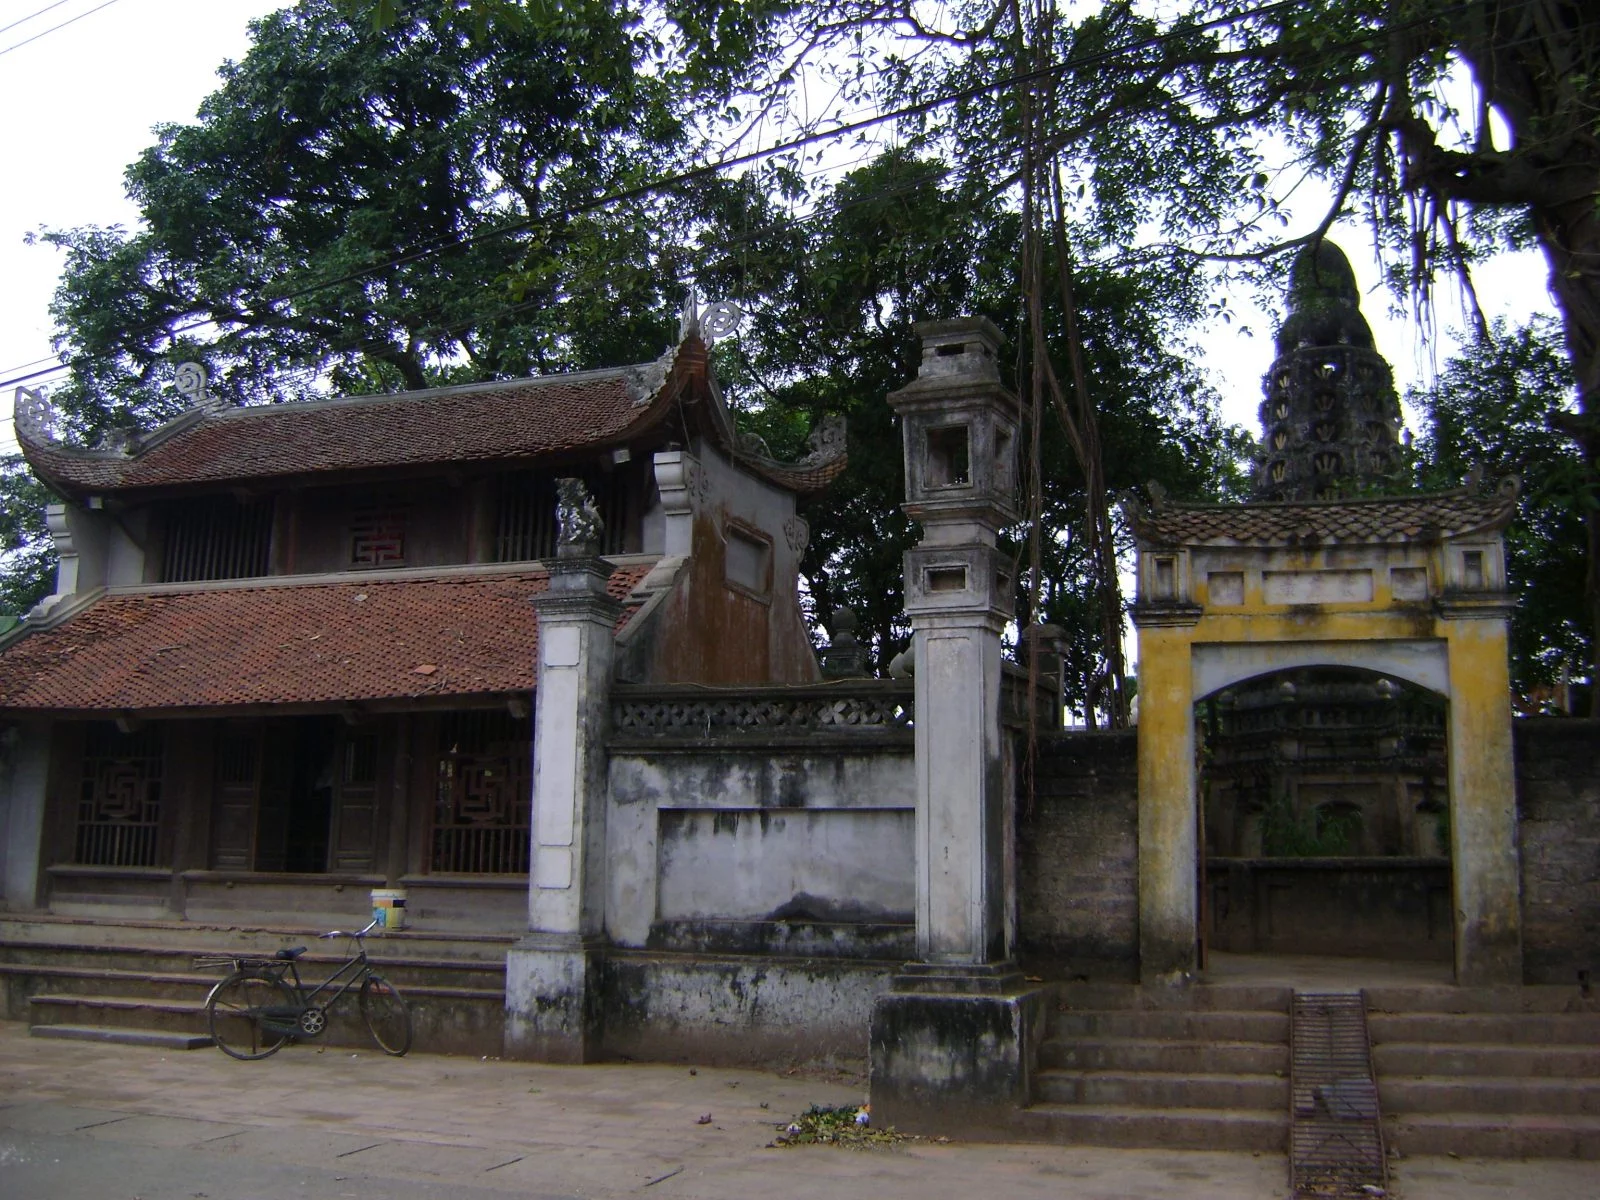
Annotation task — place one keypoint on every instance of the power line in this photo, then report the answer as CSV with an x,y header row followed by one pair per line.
x,y
662,184
710,169
53,28
32,15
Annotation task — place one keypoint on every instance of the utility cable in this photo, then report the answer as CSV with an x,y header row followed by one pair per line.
x,y
710,169
53,28
32,15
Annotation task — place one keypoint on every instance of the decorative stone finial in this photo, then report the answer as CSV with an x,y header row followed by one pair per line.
x,y
721,319
963,346
689,316
193,382
717,321
34,416
578,520
845,657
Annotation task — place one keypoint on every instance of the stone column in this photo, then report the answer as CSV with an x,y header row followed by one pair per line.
x,y
24,782
1483,800
952,1044
1168,823
553,1002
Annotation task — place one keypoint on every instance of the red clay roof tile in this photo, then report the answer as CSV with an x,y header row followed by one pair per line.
x,y
513,420
1350,522
300,643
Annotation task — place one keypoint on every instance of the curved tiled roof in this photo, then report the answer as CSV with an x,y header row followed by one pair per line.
x,y
498,421
1351,522
477,422
293,643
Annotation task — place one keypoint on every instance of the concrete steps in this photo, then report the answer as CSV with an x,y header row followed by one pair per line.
x,y
124,1037
1200,1068
1498,1073
1138,1127
135,980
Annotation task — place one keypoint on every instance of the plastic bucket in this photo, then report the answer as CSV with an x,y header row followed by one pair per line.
x,y
389,908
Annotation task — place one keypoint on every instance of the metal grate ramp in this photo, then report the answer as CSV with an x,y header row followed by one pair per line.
x,y
1335,1137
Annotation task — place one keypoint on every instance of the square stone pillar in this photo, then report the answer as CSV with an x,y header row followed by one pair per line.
x,y
1484,858
553,1007
953,1044
1168,811
24,784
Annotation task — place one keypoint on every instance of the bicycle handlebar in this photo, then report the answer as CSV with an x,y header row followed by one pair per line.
x,y
339,933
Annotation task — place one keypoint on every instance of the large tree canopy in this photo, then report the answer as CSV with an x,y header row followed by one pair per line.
x,y
366,205
1185,131
388,207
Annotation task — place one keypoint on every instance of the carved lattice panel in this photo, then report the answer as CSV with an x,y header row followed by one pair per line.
x,y
484,802
755,714
119,799
378,537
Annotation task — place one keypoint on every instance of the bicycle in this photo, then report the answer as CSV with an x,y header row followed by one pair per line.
x,y
255,1010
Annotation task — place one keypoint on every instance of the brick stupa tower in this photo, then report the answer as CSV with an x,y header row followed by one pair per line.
x,y
1330,420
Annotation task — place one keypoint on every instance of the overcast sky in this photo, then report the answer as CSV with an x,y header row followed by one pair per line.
x,y
80,103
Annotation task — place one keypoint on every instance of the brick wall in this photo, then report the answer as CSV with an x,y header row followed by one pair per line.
x,y
1558,804
1078,859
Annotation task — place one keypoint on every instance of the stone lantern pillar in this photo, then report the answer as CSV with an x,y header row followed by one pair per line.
x,y
949,1042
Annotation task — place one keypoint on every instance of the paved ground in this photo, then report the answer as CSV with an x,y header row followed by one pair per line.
x,y
89,1122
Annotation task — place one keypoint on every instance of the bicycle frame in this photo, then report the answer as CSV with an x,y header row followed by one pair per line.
x,y
352,971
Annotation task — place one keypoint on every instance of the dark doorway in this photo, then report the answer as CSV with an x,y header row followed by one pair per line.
x,y
1325,826
276,787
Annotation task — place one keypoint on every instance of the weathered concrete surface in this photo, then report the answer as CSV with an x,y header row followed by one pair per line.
x,y
740,1010
1078,859
1168,822
1558,800
24,774
554,1004
749,834
84,1122
1483,803
734,615
955,1065
1300,596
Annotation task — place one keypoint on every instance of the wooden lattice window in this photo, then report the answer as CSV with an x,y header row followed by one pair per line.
x,y
525,515
119,798
218,538
378,536
484,798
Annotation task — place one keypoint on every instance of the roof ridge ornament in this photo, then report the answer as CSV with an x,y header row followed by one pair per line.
x,y
720,318
193,382
33,416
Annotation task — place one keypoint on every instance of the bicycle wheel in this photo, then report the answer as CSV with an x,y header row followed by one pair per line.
x,y
236,1008
387,1015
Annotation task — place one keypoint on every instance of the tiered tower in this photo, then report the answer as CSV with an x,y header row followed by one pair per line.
x,y
1330,420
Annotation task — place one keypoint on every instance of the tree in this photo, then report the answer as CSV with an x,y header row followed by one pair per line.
x,y
425,199
903,239
1453,129
365,209
1489,411
27,557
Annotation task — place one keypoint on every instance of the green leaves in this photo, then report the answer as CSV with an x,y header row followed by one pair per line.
x,y
1490,409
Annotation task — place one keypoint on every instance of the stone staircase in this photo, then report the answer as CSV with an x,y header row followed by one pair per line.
x,y
1488,1072
1203,1068
134,980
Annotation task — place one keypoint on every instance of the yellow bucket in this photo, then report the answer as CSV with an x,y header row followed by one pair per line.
x,y
389,908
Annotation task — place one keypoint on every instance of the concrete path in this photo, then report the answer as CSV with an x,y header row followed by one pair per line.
x,y
80,1121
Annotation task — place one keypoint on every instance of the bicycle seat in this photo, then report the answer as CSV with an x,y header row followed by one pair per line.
x,y
290,954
